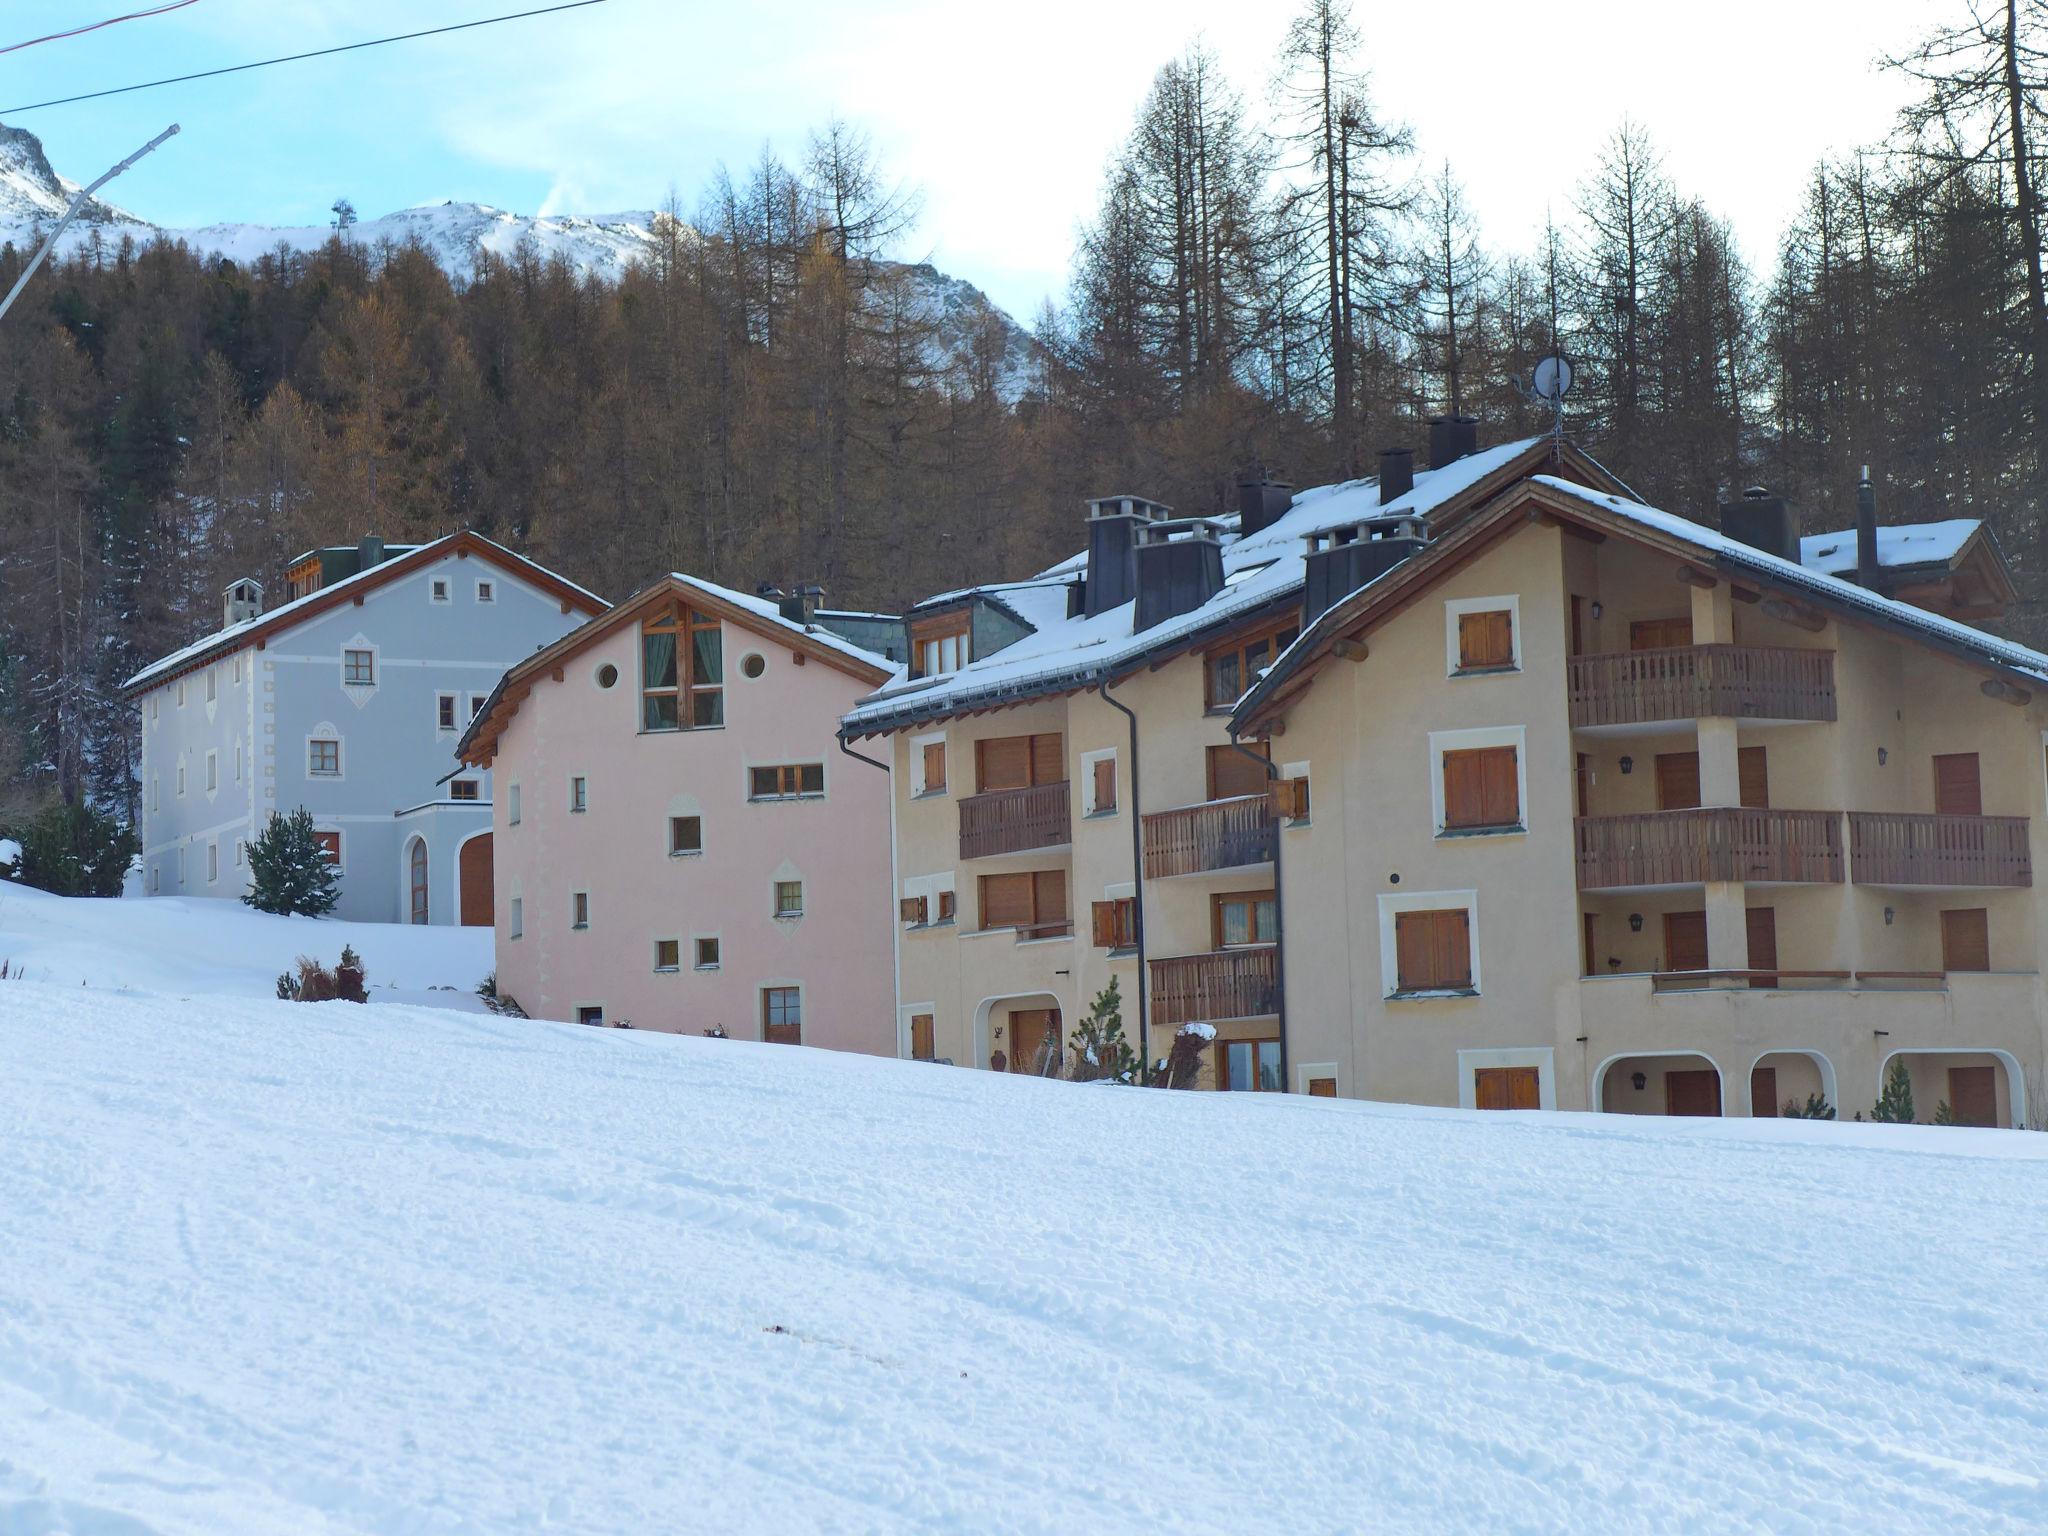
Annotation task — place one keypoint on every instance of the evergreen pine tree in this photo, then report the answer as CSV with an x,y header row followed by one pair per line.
x,y
1895,1104
73,850
288,869
1098,1044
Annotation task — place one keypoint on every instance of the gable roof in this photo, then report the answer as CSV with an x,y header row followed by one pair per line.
x,y
479,743
1551,496
1263,574
285,616
1899,546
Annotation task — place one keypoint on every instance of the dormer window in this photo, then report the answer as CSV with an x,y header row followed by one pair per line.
x,y
941,645
1232,670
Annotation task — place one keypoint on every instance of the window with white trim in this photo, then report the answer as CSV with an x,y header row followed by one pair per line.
x,y
1479,781
444,712
1482,635
486,590
1429,944
323,757
358,668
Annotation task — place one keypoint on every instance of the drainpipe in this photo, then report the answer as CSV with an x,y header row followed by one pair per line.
x,y
1138,877
1279,908
895,923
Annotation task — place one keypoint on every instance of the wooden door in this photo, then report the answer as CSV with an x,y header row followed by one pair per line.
x,y
1506,1088
1763,1093
1973,1095
1956,788
1965,939
475,870
1678,781
922,1045
1034,1031
1763,944
1232,773
1322,1087
417,871
1659,634
1685,941
1753,777
1693,1091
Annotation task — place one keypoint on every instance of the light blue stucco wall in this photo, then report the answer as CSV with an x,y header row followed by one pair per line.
x,y
270,704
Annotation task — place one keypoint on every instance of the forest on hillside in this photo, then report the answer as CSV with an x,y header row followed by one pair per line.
x,y
1297,282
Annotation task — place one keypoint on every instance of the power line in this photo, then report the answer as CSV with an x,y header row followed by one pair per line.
x,y
175,5
292,58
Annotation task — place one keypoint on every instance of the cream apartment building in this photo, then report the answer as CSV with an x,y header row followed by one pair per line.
x,y
1616,811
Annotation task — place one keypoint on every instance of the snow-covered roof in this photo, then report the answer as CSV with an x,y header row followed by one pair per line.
x,y
1260,571
1901,544
234,636
771,614
1833,589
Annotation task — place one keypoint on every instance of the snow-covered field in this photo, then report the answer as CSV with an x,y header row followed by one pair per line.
x,y
275,1267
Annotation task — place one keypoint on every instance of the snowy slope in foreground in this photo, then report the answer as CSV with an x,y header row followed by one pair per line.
x,y
190,945
286,1268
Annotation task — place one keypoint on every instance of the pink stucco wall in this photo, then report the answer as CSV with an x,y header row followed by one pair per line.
x,y
840,952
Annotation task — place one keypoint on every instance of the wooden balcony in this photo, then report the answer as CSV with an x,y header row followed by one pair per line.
x,y
1687,682
1203,989
1218,834
1715,843
1015,820
1901,848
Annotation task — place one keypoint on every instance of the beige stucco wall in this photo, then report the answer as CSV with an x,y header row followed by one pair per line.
x,y
839,953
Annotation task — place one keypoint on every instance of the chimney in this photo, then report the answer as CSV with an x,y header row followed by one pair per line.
x,y
1114,524
1452,438
1175,575
1868,572
1342,560
799,604
1763,521
1397,473
241,602
369,552
1261,501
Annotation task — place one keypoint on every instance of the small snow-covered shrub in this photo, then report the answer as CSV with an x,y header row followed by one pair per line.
x,y
315,983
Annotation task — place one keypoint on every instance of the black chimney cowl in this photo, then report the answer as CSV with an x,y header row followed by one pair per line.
x,y
1452,438
1763,520
1397,474
1115,523
1869,572
1261,501
1175,575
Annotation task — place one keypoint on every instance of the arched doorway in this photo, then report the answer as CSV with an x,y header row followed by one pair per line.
x,y
1658,1083
475,863
1783,1082
416,880
1024,1033
1980,1087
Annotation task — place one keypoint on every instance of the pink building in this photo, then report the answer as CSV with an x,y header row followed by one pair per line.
x,y
680,843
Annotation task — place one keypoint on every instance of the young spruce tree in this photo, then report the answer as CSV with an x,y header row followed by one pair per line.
x,y
1895,1105
288,869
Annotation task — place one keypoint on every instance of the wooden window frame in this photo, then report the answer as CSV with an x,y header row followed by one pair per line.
x,y
782,887
579,911
791,1001
358,667
445,706
936,631
469,791
684,623
1239,650
1470,632
697,960
1252,900
314,756
787,782
579,793
675,826
1114,923
1258,1046
330,843
674,963
1974,917
1039,922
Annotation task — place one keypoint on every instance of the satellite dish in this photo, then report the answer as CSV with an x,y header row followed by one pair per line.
x,y
1553,379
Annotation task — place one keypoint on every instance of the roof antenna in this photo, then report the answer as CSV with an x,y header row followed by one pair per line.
x,y
1551,382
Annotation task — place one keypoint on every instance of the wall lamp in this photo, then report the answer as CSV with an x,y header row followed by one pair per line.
x,y
1597,610
1639,1081
1635,922
1628,765
1889,914
1882,756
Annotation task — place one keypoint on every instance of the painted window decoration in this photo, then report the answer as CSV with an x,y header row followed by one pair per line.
x,y
789,898
685,835
1232,670
464,789
359,668
682,670
1486,640
707,953
782,1015
323,758
1248,1066
1433,950
787,781
668,954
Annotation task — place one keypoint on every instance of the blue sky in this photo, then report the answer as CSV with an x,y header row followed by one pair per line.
x,y
1002,117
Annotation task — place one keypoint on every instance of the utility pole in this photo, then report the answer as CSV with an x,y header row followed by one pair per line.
x,y
71,213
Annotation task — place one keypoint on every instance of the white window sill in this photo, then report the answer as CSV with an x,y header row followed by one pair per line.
x,y
1460,834
705,967
686,853
787,917
930,794
667,970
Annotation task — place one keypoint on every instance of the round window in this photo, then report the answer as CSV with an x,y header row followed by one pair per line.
x,y
607,675
753,664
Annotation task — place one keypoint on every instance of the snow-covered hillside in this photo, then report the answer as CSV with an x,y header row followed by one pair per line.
x,y
296,1268
33,196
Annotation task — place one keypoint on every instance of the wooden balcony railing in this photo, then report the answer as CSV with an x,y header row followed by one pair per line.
x,y
1201,989
1901,848
1714,843
1687,682
1015,820
1218,834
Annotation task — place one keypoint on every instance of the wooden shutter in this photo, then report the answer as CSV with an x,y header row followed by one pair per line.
x,y
1105,784
1103,914
913,909
1486,639
1432,950
1506,1088
1231,773
1973,1095
1753,776
1048,758
1956,789
1322,1087
1685,941
1480,788
1005,901
1589,944
922,1046
1763,1093
1659,634
1290,798
1965,939
1002,762
935,765
1049,892
1763,943
1678,780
